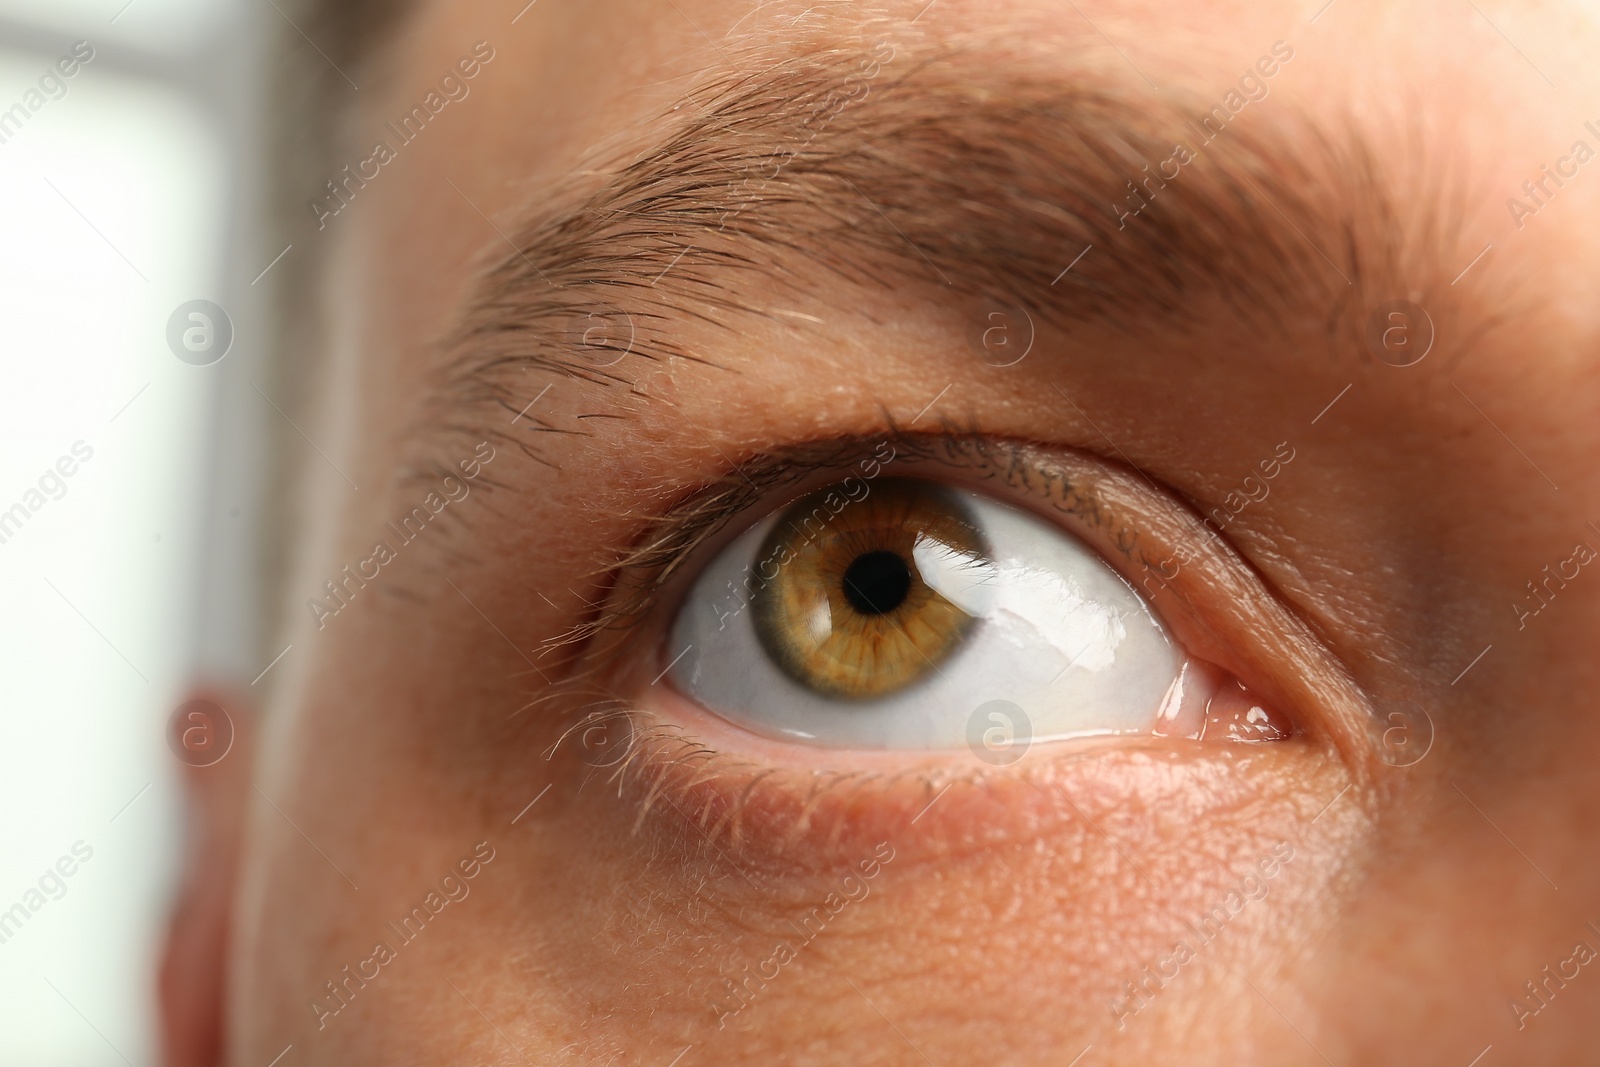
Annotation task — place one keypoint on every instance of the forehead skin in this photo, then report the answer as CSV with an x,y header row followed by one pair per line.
x,y
1423,504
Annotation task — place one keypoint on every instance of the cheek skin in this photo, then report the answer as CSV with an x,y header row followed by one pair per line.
x,y
1001,929
1038,898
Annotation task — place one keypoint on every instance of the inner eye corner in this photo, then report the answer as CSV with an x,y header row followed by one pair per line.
x,y
1207,703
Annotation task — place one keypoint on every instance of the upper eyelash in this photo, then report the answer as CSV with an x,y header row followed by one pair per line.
x,y
639,575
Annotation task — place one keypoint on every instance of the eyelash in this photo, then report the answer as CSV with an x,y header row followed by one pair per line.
x,y
1220,608
1240,621
679,532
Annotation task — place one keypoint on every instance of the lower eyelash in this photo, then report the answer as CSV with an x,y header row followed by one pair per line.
x,y
658,760
679,793
637,753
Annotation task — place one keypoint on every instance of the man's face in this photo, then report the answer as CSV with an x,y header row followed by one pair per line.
x,y
1239,350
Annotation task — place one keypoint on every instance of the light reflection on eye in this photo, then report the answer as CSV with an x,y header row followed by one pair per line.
x,y
885,621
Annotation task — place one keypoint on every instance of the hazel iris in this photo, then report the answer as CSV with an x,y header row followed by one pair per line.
x,y
854,610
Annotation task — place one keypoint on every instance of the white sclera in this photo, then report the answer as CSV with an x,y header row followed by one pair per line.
x,y
1058,633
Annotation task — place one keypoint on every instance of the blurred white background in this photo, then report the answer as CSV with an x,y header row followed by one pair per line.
x,y
121,200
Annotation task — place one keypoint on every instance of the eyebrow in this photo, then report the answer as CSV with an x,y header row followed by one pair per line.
x,y
934,171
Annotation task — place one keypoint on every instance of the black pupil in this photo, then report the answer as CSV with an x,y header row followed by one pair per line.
x,y
876,583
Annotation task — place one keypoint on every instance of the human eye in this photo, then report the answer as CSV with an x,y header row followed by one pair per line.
x,y
921,609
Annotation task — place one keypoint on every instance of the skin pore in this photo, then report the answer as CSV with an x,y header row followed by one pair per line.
x,y
630,871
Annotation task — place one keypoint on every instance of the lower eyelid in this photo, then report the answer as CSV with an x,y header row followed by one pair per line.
x,y
695,782
762,806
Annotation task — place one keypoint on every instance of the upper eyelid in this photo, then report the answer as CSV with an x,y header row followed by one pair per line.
x,y
637,579
680,530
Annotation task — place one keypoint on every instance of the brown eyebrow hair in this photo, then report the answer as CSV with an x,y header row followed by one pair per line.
x,y
934,170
